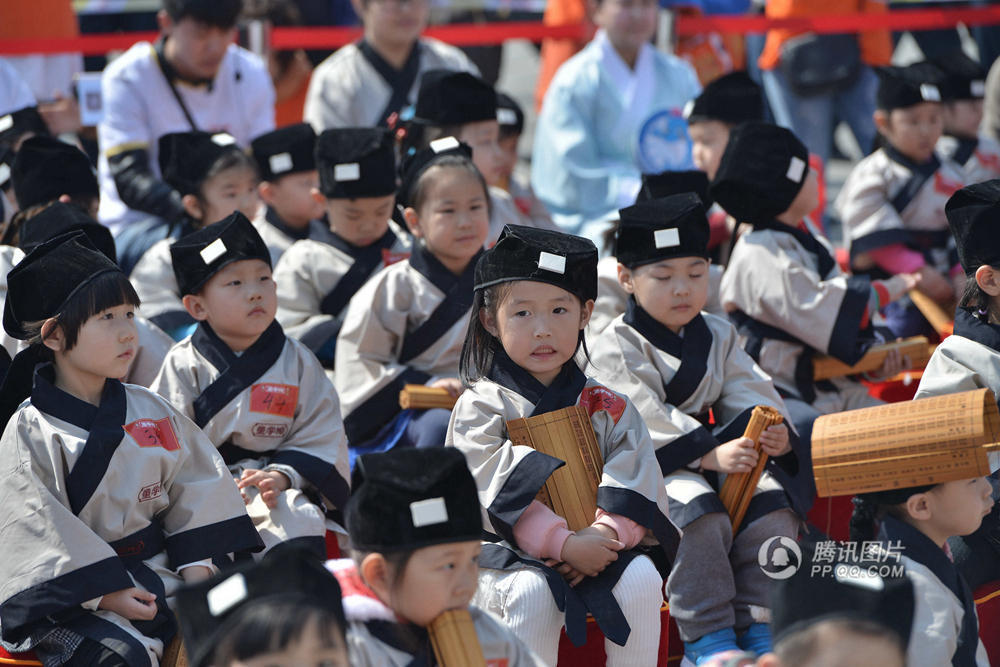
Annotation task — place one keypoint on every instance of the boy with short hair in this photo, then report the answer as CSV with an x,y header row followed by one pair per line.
x,y
261,398
317,276
288,177
726,102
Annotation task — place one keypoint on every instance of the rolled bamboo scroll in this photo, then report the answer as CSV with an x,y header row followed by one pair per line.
x,y
453,636
422,397
898,445
566,434
940,318
916,349
738,488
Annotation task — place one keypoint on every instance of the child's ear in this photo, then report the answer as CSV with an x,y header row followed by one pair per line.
x,y
265,190
412,221
52,335
988,279
195,307
317,196
881,118
918,506
625,278
192,206
489,322
585,312
374,571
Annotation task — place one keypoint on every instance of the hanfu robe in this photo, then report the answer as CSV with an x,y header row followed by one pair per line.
x,y
674,380
317,277
377,638
509,477
103,498
154,281
270,408
152,345
404,326
978,158
9,257
278,236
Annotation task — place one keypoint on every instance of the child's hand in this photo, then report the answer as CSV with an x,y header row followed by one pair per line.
x,y
894,364
134,604
934,285
589,553
774,440
736,455
453,385
196,573
270,482
566,570
900,284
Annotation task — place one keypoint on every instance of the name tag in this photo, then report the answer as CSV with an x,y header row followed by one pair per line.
x,y
274,399
153,433
389,257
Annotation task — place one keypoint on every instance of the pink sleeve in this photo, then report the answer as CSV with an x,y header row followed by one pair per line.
x,y
540,532
629,532
897,258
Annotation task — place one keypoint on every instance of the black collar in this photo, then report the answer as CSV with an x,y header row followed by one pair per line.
x,y
661,336
278,223
430,267
51,400
217,353
171,72
967,325
920,548
824,259
331,237
928,167
563,392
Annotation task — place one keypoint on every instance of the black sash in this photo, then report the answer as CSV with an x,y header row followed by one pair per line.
x,y
965,149
366,261
458,293
920,174
237,373
400,80
134,549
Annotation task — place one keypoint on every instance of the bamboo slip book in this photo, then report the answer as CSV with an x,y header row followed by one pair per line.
x,y
917,349
738,488
422,397
566,434
453,637
899,445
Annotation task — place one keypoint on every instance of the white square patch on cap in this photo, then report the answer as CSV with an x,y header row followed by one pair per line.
x,y
349,171
280,163
4,173
213,251
688,108
978,88
444,144
550,262
929,92
6,122
667,238
506,117
227,595
223,139
796,167
428,512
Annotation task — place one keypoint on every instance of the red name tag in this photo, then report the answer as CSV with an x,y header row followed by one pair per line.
x,y
390,257
595,399
496,662
153,433
274,399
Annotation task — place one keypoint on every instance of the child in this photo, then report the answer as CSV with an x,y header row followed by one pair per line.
x,y
46,169
285,610
287,168
534,293
510,117
970,358
677,363
317,277
726,102
121,496
917,521
963,86
415,530
462,105
892,204
260,397
782,287
15,127
406,324
215,178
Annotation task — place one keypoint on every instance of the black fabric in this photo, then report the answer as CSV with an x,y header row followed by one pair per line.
x,y
447,97
287,150
666,183
366,262
172,321
825,262
457,301
94,654
847,342
972,216
413,166
965,149
645,512
60,218
356,162
19,123
186,158
365,420
19,376
400,80
522,485
658,229
681,451
111,637
236,372
319,473
236,239
295,233
235,535
510,115
920,174
902,87
133,550
140,189
962,77
407,638
46,168
967,325
732,98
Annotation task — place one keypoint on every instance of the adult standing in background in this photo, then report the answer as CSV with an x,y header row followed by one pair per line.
x,y
811,80
364,83
612,112
192,78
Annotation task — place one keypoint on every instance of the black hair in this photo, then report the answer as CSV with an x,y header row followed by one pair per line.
x,y
975,299
272,624
799,648
229,160
216,13
11,230
870,508
418,135
277,13
107,290
418,191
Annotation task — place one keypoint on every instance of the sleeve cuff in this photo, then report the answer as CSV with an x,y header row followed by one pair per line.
x,y
199,563
540,532
294,478
629,532
92,605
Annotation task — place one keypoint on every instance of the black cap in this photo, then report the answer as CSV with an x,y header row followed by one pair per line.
x,y
527,253
510,115
974,217
201,254
406,499
416,164
17,123
761,172
732,98
809,597
187,157
447,97
666,183
649,231
901,87
356,162
287,150
962,77
211,608
46,168
59,219
41,284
